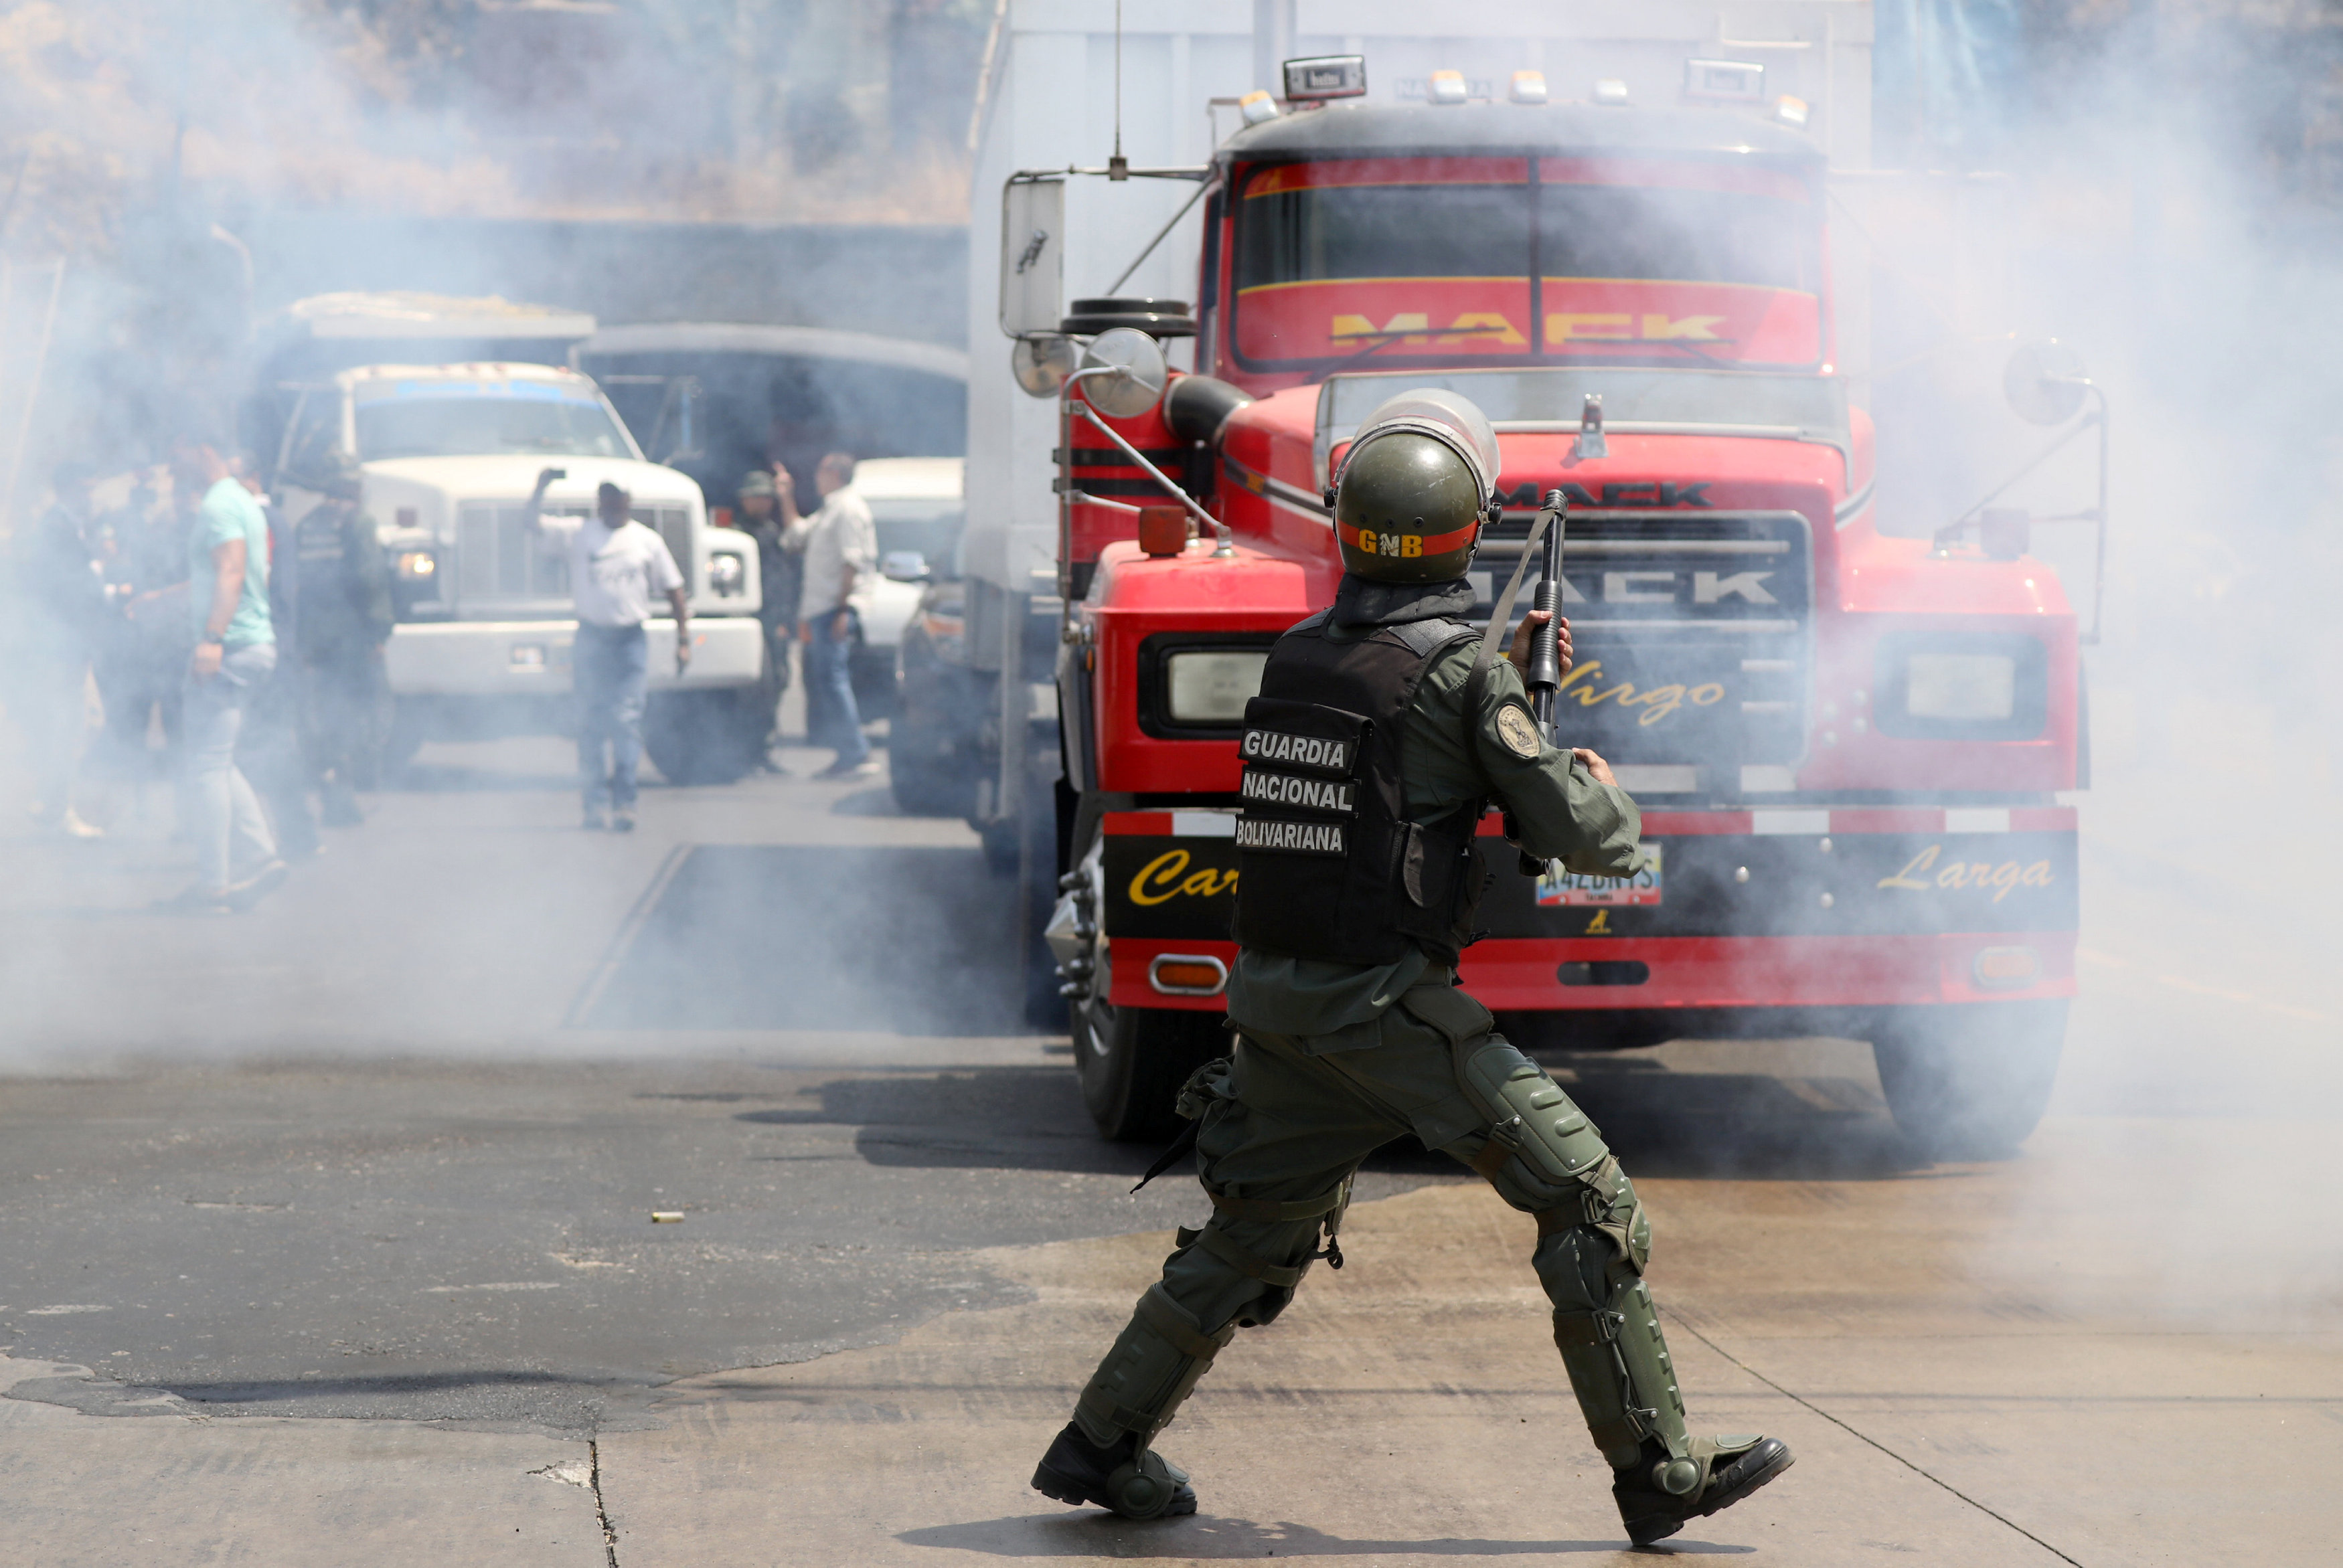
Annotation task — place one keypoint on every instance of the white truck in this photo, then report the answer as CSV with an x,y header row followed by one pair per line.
x,y
450,408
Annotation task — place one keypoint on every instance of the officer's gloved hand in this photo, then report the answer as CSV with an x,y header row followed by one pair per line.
x,y
1520,652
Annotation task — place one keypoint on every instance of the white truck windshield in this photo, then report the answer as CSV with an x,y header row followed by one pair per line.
x,y
455,419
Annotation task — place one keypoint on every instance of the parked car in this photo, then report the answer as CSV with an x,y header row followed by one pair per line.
x,y
915,503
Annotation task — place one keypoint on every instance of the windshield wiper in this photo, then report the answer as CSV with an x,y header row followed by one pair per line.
x,y
1689,345
1383,338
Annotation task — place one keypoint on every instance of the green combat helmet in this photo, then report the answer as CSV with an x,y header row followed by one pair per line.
x,y
1418,480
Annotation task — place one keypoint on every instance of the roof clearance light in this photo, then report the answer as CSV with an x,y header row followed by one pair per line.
x,y
1724,81
1324,76
1447,86
1257,107
1610,93
1790,111
1529,87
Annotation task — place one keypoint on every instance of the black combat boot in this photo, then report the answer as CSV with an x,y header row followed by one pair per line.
x,y
1738,1467
1123,1477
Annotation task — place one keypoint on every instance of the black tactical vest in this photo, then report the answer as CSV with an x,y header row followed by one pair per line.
x,y
1329,865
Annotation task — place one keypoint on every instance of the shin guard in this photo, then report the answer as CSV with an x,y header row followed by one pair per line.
x,y
1154,1365
1626,1385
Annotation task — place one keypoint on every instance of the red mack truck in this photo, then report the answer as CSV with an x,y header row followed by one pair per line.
x,y
1847,747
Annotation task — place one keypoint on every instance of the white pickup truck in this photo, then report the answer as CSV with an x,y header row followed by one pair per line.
x,y
448,454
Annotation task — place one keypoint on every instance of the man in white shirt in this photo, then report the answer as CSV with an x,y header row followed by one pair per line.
x,y
840,545
616,565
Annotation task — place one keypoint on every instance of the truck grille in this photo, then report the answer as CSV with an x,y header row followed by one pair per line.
x,y
1690,634
499,565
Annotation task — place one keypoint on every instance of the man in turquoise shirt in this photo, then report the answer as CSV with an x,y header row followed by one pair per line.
x,y
236,862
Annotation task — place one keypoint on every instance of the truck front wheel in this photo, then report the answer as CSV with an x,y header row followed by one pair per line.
x,y
1133,1060
1969,1081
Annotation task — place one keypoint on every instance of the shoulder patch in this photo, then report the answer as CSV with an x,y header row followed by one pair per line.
x,y
1516,728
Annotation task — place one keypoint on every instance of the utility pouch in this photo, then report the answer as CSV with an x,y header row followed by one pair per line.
x,y
1216,1080
1450,1012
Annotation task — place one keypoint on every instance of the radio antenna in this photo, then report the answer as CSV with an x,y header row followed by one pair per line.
x,y
1117,166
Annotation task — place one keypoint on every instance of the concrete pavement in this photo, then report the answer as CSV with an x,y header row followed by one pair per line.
x,y
1406,1410
903,1249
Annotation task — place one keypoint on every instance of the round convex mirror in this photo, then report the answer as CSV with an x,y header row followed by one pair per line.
x,y
1043,363
2045,382
1138,376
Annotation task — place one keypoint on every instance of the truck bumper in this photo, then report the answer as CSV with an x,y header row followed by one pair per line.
x,y
1767,911
531,658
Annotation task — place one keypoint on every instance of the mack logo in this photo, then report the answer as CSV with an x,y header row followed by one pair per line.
x,y
1301,750
1667,588
1292,790
1293,838
1527,497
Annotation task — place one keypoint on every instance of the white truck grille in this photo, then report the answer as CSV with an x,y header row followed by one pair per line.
x,y
498,563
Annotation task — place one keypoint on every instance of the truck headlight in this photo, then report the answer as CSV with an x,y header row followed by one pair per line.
x,y
415,565
1212,688
1970,686
728,574
1961,685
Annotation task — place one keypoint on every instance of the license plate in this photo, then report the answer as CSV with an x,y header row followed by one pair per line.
x,y
1567,890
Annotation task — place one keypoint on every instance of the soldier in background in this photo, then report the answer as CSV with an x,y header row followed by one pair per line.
x,y
53,630
269,749
346,617
758,515
141,661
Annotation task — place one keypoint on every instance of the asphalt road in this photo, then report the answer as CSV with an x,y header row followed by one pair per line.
x,y
389,1146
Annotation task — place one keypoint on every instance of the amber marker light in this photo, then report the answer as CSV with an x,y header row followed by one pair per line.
x,y
2000,968
1187,974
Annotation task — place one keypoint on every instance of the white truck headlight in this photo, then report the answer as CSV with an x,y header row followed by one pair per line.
x,y
728,574
1961,685
1965,686
1211,686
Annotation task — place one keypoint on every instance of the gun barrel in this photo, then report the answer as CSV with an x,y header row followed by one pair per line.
x,y
1545,675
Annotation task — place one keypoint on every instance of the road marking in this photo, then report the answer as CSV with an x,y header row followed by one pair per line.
x,y
607,967
2196,987
501,1285
1857,1433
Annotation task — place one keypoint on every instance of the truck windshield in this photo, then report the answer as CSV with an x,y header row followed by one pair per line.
x,y
455,419
932,528
1654,261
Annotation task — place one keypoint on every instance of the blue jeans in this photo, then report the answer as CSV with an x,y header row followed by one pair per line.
x,y
831,718
231,836
609,666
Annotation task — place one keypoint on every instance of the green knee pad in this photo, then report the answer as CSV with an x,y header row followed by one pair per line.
x,y
1154,1365
1541,1148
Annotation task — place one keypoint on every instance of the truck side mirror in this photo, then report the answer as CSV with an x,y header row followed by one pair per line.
x,y
2045,382
1032,255
1042,363
1134,373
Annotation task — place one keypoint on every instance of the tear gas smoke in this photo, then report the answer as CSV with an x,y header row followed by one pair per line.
x,y
2156,214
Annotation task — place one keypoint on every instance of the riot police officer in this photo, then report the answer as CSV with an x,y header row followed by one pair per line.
x,y
346,615
758,514
1384,728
